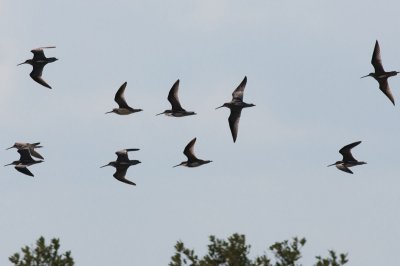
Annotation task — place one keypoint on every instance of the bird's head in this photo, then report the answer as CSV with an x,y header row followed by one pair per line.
x,y
112,111
224,105
13,163
109,164
369,75
338,162
13,146
181,164
29,61
165,112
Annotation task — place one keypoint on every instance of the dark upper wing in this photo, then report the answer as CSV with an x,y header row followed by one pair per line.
x,y
23,169
122,156
189,151
36,145
36,74
384,87
238,92
120,174
35,153
119,97
25,155
343,168
38,53
376,60
233,119
173,97
346,151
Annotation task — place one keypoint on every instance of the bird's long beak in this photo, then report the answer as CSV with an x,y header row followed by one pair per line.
x,y
8,164
109,112
331,164
365,76
219,107
177,165
10,148
160,113
104,165
21,63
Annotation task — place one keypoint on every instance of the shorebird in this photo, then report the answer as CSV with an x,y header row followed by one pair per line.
x,y
30,146
122,164
236,105
24,161
177,109
192,161
38,62
348,159
380,74
124,108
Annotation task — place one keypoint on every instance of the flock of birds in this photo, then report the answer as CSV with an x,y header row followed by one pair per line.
x,y
39,61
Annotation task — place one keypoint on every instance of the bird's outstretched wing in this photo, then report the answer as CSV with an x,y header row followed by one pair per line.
x,y
343,168
233,119
25,155
376,60
38,53
36,74
189,151
23,169
346,152
120,174
384,87
123,155
237,94
120,98
35,153
174,99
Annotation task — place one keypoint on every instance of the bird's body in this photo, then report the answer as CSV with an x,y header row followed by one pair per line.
x,y
122,164
30,146
124,108
24,161
380,74
348,159
176,108
236,105
38,62
192,161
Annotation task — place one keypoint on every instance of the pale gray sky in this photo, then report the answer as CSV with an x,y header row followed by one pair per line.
x,y
303,60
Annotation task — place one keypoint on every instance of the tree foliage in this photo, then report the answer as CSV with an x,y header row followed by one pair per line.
x,y
235,252
42,255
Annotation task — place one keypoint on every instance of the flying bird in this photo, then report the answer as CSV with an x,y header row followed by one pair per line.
x,y
236,105
124,108
24,161
348,159
122,164
192,161
30,146
177,110
38,62
380,74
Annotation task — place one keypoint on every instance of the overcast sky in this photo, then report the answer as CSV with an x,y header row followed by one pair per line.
x,y
303,60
